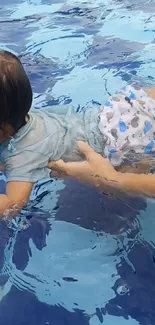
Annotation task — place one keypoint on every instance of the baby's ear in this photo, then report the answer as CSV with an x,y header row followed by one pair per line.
x,y
26,118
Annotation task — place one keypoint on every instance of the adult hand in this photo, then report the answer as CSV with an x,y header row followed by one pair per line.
x,y
95,170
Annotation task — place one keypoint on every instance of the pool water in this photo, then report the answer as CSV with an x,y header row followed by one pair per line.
x,y
82,258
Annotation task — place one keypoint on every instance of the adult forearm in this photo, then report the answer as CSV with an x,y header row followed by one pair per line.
x,y
138,184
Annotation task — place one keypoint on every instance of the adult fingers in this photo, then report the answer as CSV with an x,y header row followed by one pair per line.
x,y
59,165
88,152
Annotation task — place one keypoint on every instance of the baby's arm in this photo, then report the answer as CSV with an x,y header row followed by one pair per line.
x,y
17,193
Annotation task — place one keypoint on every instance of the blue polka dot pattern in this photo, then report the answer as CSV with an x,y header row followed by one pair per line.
x,y
111,153
149,147
147,127
122,126
132,95
108,104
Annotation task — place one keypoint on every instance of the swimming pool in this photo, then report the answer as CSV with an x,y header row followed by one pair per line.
x,y
84,259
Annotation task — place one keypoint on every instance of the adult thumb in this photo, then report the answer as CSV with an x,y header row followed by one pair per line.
x,y
85,149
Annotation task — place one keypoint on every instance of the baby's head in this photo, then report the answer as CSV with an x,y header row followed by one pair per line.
x,y
15,95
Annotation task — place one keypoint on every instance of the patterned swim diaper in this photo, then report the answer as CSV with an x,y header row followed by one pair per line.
x,y
127,121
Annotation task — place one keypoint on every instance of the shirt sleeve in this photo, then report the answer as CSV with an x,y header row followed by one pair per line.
x,y
27,166
65,110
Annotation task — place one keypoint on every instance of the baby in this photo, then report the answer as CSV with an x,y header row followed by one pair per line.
x,y
123,130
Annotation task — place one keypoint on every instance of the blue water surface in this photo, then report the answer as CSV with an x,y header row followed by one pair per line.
x,y
83,258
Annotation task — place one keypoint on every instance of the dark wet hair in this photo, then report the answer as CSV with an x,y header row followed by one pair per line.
x,y
15,91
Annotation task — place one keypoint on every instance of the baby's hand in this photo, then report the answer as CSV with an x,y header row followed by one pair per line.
x,y
8,208
5,204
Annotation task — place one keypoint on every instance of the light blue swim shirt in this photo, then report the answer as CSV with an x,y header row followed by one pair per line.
x,y
50,134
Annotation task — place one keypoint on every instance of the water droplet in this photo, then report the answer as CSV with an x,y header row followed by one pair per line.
x,y
122,289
